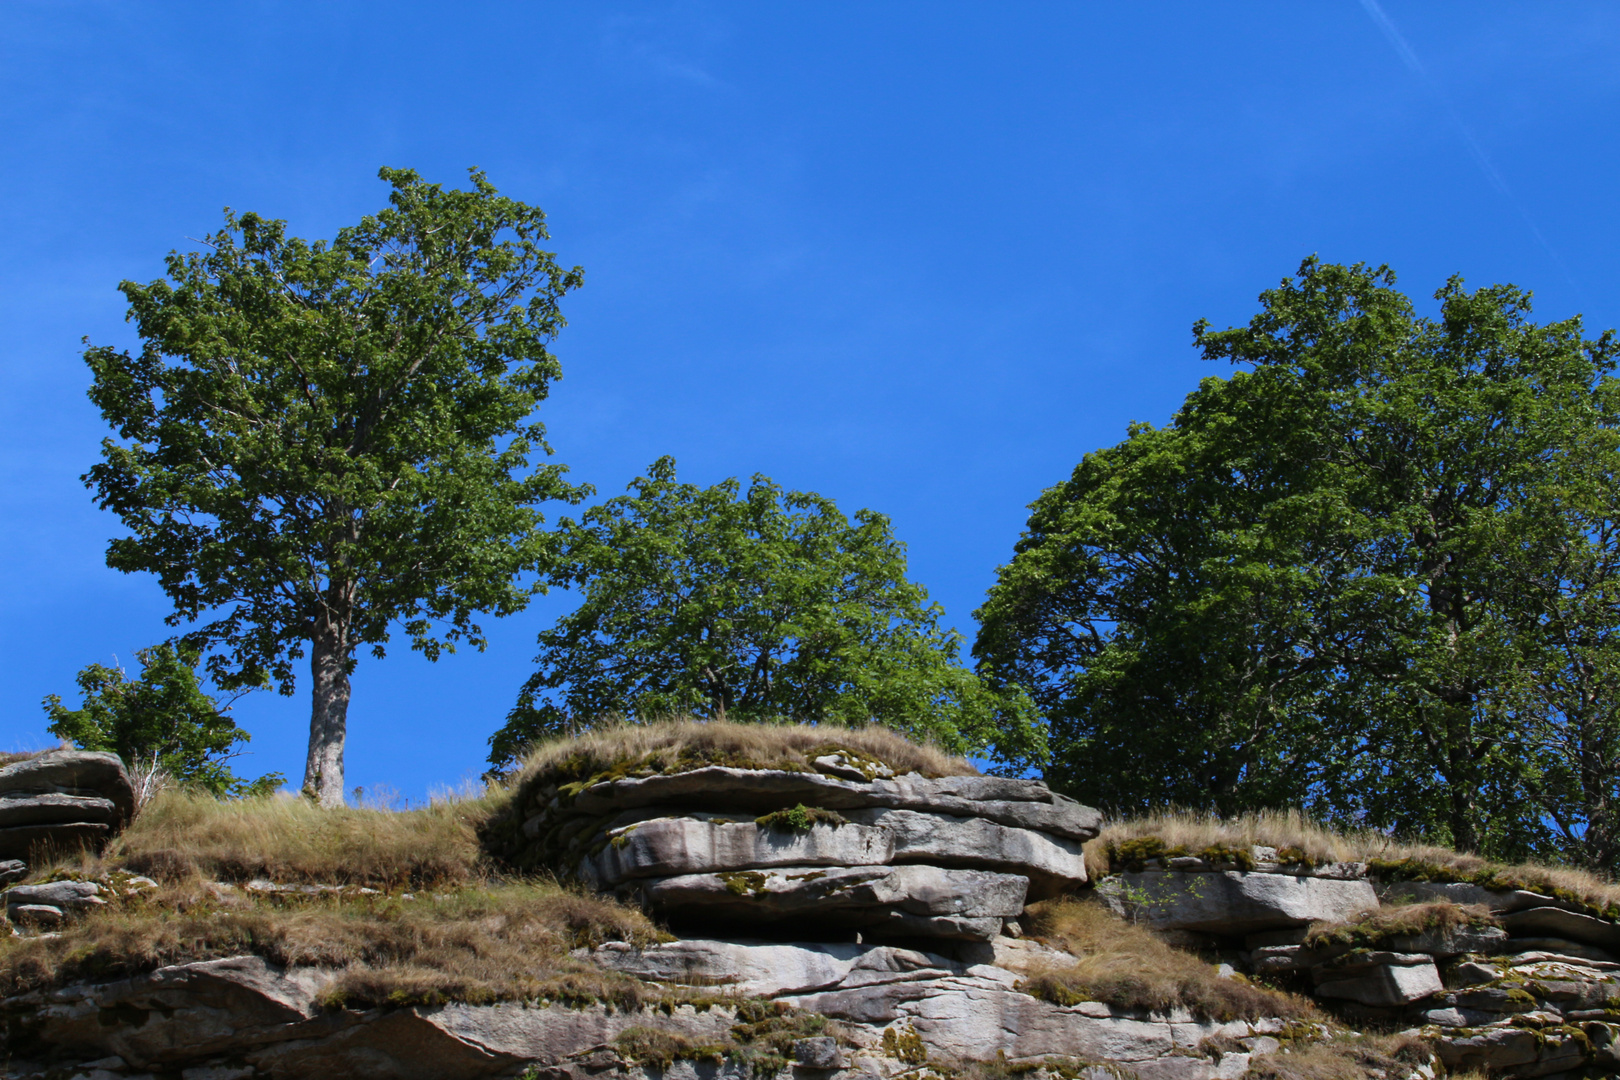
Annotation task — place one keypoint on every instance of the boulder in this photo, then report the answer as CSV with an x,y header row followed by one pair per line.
x,y
62,799
12,870
1234,902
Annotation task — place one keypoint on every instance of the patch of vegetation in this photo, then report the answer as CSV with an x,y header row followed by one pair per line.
x,y
745,882
1129,967
801,818
669,746
905,1046
182,836
1384,924
495,942
1342,1057
1572,886
659,1049
1130,844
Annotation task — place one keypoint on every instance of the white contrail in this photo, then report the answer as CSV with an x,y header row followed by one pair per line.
x,y
1409,57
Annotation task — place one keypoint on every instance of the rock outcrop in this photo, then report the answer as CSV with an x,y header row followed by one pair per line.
x,y
64,800
1510,981
850,845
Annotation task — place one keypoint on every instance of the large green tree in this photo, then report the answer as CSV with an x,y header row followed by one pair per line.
x,y
757,605
1372,572
320,442
161,721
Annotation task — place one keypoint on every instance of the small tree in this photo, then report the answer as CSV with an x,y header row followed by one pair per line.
x,y
160,721
320,442
766,606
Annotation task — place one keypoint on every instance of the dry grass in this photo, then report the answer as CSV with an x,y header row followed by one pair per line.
x,y
184,835
673,745
1298,838
1353,1057
500,943
1129,967
1405,920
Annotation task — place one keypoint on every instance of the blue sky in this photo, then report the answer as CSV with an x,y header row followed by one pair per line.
x,y
915,257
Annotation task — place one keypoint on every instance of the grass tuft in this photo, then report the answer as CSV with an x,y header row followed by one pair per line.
x,y
1129,967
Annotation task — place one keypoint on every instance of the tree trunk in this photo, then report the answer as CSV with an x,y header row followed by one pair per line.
x,y
328,719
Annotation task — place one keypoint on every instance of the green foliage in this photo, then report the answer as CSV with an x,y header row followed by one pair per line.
x,y
801,818
320,441
1373,575
761,605
161,719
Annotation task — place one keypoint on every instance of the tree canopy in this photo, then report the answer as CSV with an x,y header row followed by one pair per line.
x,y
761,605
321,442
162,720
1373,574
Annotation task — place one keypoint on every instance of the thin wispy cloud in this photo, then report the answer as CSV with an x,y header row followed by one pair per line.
x,y
1409,57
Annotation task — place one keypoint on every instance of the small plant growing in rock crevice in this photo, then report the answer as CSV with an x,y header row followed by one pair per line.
x,y
800,818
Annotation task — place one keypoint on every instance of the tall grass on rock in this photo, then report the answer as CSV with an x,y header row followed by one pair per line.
x,y
1129,967
184,834
676,745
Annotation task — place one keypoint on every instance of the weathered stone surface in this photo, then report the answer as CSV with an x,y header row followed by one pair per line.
x,y
1024,804
1498,901
55,808
1053,864
74,772
70,895
12,870
769,969
1556,922
670,846
847,896
1382,984
1234,902
820,1052
1450,941
1515,1051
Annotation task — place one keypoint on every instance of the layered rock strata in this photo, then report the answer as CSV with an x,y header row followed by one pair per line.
x,y
64,800
850,845
1512,982
895,1010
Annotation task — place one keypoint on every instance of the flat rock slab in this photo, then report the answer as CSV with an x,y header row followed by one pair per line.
x,y
1555,922
1054,864
772,969
913,899
670,846
1023,804
1233,902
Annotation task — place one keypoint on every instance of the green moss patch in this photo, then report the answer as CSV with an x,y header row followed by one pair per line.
x,y
800,818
